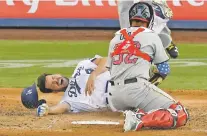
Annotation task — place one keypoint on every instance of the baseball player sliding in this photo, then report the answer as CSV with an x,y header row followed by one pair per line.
x,y
75,99
162,15
131,52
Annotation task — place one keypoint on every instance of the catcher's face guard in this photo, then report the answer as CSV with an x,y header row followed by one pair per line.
x,y
142,11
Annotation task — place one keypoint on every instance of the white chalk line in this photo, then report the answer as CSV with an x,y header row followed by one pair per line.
x,y
95,122
72,63
90,122
101,122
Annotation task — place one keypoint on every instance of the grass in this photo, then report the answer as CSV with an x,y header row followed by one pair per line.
x,y
185,77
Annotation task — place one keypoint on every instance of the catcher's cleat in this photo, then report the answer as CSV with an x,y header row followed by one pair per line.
x,y
132,122
172,50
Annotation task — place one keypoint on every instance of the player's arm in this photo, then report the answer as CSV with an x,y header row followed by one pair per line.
x,y
101,63
160,60
161,72
101,66
60,108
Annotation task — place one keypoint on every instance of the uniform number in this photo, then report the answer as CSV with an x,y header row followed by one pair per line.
x,y
127,59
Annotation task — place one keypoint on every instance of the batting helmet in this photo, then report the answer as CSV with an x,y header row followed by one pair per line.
x,y
142,11
29,97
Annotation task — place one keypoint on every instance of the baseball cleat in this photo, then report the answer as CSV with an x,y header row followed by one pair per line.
x,y
131,122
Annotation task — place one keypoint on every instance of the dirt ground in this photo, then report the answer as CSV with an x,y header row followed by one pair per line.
x,y
15,120
39,34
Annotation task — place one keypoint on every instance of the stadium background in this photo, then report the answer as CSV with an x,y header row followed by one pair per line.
x,y
44,31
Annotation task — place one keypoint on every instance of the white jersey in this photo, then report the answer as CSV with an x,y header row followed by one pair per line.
x,y
75,92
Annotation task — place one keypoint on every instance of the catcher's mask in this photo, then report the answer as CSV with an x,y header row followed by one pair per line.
x,y
142,11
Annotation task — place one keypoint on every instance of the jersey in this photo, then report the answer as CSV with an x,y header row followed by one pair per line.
x,y
75,92
125,66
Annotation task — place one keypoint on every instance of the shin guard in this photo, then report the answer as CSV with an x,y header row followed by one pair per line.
x,y
182,114
161,118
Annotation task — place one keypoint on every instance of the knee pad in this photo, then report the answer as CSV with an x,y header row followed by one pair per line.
x,y
182,114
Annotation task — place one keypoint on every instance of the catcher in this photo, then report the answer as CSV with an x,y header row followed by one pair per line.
x,y
162,15
131,52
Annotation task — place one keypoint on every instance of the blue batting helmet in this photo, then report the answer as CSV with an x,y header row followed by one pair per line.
x,y
29,97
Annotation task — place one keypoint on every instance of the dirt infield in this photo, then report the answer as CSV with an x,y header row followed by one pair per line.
x,y
19,121
33,34
15,120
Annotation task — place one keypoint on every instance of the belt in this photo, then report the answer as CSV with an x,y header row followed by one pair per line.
x,y
127,81
106,91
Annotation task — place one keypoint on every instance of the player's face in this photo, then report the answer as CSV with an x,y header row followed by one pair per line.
x,y
56,82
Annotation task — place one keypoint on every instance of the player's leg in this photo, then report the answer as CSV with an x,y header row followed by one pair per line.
x,y
175,116
141,94
159,110
172,49
123,12
154,98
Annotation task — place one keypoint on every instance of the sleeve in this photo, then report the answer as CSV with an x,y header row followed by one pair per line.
x,y
163,68
160,54
95,57
109,58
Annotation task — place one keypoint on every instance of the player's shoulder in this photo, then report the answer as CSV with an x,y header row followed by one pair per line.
x,y
95,57
132,29
88,62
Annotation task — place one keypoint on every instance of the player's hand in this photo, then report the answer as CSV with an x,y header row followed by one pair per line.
x,y
153,70
90,84
156,79
42,110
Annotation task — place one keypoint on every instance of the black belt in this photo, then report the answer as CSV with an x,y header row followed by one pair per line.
x,y
127,81
106,91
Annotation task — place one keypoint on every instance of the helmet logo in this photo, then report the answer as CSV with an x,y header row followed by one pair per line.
x,y
29,92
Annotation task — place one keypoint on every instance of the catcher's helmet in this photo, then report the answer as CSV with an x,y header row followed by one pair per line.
x,y
142,11
29,97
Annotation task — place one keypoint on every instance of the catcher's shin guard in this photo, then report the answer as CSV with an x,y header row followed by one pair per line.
x,y
161,119
175,116
182,114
